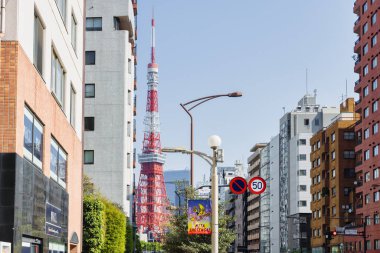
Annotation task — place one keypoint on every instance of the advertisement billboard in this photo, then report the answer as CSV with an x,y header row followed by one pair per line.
x,y
199,217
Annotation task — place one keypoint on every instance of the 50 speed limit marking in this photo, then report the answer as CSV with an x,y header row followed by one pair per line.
x,y
257,185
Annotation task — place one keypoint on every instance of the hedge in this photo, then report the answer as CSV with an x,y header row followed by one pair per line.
x,y
93,224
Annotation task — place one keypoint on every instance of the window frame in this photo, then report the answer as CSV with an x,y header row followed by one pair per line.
x,y
60,151
74,33
93,28
85,91
36,125
84,156
93,62
56,62
89,120
38,62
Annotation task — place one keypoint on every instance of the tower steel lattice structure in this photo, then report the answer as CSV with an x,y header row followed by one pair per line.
x,y
151,199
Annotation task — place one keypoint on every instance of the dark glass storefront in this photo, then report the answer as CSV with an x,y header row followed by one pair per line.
x,y
33,208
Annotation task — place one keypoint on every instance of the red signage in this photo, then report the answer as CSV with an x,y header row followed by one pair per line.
x,y
238,185
257,185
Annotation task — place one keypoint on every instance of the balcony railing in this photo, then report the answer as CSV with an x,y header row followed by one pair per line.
x,y
357,82
357,20
357,41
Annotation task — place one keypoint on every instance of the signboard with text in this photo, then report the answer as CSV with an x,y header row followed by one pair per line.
x,y
53,220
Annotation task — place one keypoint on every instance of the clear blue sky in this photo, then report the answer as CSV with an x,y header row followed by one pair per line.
x,y
261,48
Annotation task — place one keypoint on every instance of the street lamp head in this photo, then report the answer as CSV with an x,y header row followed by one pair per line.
x,y
235,94
214,141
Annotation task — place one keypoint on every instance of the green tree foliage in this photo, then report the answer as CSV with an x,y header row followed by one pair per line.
x,y
104,223
138,244
115,229
151,246
177,240
93,224
129,239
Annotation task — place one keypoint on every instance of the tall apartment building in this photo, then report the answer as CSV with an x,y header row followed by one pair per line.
x,y
274,191
175,182
367,49
41,84
110,102
333,174
265,201
253,206
296,129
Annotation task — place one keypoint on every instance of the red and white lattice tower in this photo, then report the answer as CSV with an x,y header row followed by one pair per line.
x,y
152,201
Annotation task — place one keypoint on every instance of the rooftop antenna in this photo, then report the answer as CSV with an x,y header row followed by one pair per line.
x,y
283,108
346,89
307,90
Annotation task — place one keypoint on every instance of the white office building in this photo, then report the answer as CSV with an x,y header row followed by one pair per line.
x,y
109,136
296,129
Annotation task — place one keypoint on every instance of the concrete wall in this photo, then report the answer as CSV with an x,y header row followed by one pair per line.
x,y
111,171
274,194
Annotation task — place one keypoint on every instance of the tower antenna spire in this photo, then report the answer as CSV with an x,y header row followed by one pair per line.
x,y
153,43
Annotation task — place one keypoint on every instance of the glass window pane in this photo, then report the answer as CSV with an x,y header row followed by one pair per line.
x,y
28,134
62,164
98,24
37,143
90,90
54,160
88,156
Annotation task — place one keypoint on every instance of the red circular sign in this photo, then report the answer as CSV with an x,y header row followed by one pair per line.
x,y
238,185
257,185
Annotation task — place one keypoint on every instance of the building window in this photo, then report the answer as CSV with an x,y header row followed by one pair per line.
x,y
89,157
366,133
365,91
366,155
302,142
302,157
374,40
376,219
316,122
368,242
365,7
376,196
57,78
302,188
89,123
367,220
74,28
333,155
374,84
346,191
367,177
374,62
318,144
376,243
376,150
72,106
38,43
349,154
58,163
375,106
332,137
33,138
376,173
306,122
373,19
375,128
365,28
366,112
349,135
129,97
93,24
365,70
301,172
116,23
367,199
90,57
129,129
349,173
365,49
128,160
333,210
129,66
61,4
333,191
90,90
302,203
333,173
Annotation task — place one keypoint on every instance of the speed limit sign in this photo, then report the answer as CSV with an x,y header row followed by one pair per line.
x,y
257,185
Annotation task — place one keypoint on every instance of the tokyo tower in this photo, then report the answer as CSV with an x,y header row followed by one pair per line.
x,y
152,201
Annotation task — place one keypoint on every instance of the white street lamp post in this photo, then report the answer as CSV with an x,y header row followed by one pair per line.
x,y
214,142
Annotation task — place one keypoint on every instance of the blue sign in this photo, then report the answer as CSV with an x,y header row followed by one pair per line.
x,y
238,185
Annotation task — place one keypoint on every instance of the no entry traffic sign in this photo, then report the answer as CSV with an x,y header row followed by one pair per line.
x,y
257,185
238,185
